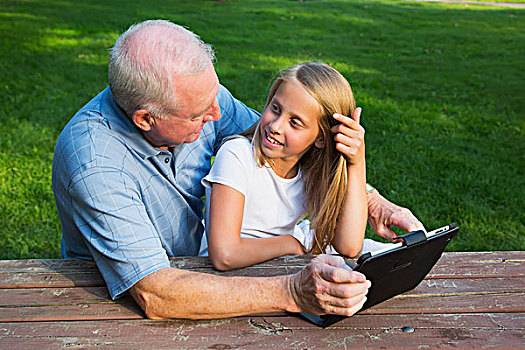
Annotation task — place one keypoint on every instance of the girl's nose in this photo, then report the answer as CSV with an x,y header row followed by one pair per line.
x,y
276,125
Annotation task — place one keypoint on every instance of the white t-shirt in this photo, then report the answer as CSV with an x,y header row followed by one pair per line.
x,y
272,205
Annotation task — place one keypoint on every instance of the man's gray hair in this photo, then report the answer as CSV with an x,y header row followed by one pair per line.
x,y
145,61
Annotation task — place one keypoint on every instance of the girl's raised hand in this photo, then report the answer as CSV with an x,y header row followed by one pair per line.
x,y
350,137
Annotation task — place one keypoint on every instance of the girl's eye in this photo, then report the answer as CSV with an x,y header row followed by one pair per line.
x,y
295,122
275,108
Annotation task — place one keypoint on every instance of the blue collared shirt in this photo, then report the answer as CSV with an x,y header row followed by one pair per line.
x,y
126,204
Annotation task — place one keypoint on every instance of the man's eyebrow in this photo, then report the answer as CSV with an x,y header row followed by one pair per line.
x,y
203,111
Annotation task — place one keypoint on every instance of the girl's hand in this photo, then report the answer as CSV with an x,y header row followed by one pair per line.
x,y
350,137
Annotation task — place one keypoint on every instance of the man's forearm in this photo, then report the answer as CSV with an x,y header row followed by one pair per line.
x,y
175,293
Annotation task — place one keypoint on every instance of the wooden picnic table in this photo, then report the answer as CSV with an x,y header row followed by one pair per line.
x,y
469,300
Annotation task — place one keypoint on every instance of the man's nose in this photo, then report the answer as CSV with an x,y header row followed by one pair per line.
x,y
214,113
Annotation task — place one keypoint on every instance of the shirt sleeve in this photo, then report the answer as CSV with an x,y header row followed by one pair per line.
x,y
235,116
111,216
232,166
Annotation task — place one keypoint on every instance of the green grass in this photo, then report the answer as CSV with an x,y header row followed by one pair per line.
x,y
507,1
441,86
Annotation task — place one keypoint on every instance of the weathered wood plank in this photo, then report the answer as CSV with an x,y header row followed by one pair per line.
x,y
53,296
483,256
47,265
78,303
481,303
479,265
126,308
471,260
51,279
122,309
427,288
465,303
471,285
290,260
70,273
443,331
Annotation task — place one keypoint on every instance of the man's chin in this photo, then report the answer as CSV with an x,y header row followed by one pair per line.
x,y
192,137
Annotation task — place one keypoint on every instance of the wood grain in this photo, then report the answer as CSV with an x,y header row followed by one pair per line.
x,y
362,331
469,300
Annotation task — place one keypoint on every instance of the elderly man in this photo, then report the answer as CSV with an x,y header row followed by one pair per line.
x,y
127,181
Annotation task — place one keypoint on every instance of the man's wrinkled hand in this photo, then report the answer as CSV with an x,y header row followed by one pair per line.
x,y
383,214
328,286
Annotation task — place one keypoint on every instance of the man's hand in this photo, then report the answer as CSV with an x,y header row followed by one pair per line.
x,y
328,286
383,214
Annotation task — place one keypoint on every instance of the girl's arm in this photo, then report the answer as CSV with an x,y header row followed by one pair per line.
x,y
226,248
352,221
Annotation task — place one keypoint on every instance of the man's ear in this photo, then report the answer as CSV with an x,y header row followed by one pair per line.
x,y
143,119
319,143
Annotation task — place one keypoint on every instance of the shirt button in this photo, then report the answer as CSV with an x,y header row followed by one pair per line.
x,y
167,160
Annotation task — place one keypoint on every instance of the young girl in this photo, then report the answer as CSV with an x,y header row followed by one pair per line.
x,y
287,166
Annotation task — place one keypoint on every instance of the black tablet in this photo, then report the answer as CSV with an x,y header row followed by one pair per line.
x,y
397,268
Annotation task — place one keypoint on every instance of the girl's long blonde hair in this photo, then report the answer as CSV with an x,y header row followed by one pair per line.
x,y
323,169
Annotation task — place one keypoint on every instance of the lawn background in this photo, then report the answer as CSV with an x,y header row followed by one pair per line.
x,y
441,86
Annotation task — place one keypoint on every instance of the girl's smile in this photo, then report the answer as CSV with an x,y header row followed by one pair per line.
x,y
271,141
